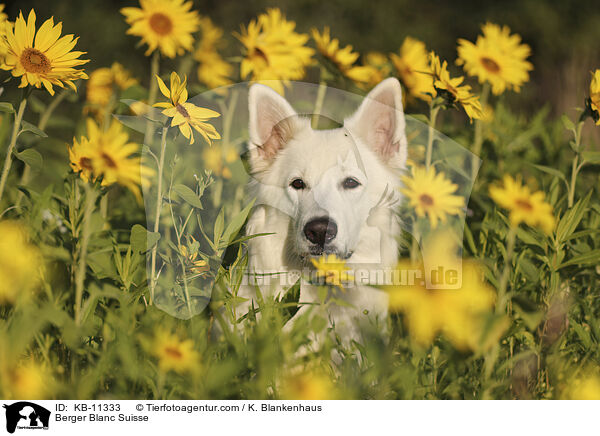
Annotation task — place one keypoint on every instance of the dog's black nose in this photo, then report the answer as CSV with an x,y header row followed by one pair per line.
x,y
320,231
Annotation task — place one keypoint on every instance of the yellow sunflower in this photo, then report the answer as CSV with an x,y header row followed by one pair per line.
x,y
174,354
186,115
213,70
216,160
456,313
28,380
103,85
108,154
333,270
343,59
451,90
4,26
593,102
307,385
412,65
496,57
523,205
166,25
274,52
42,58
583,387
20,262
431,194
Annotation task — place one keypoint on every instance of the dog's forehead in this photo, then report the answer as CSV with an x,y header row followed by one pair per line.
x,y
320,150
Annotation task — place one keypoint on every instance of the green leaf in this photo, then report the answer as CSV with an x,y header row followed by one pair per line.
x,y
141,239
571,219
568,123
592,157
7,107
549,170
28,127
30,157
591,257
188,195
237,222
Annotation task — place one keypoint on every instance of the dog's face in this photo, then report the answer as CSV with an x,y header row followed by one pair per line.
x,y
329,182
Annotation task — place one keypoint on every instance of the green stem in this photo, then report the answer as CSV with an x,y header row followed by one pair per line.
x,y
159,197
154,71
576,167
42,126
11,146
503,285
90,199
433,112
319,103
478,139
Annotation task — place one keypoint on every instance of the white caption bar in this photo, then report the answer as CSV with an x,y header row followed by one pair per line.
x,y
299,417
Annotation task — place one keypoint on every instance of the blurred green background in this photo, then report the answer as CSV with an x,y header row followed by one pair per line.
x,y
563,35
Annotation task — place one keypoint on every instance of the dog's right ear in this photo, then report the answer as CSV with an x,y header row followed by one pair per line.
x,y
272,122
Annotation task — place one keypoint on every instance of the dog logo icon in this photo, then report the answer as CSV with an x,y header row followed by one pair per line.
x,y
26,415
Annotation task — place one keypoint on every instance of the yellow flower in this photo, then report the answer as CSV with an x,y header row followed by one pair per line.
x,y
197,266
309,385
585,387
186,115
333,270
43,58
216,159
594,100
412,64
166,25
497,57
456,313
274,52
5,25
451,90
108,154
20,262
213,71
103,84
29,380
431,194
343,58
523,205
174,354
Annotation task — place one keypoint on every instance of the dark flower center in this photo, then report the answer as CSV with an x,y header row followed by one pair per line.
x,y
85,163
161,24
490,65
524,204
109,161
34,61
173,352
182,111
426,200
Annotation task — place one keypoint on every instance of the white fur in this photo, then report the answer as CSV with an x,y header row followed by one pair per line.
x,y
371,148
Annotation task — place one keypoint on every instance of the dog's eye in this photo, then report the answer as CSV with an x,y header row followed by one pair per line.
x,y
298,184
350,183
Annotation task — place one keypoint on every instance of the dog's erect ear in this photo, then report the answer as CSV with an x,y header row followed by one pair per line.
x,y
379,122
272,121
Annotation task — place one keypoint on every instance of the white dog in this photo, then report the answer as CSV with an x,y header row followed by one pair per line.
x,y
326,192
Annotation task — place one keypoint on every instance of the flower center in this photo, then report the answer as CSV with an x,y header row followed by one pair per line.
x,y
173,352
524,204
34,61
260,57
161,24
490,65
85,163
426,200
182,111
109,161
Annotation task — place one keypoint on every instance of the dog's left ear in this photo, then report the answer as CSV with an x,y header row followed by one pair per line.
x,y
379,122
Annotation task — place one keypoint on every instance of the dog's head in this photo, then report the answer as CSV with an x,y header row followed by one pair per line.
x,y
330,182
